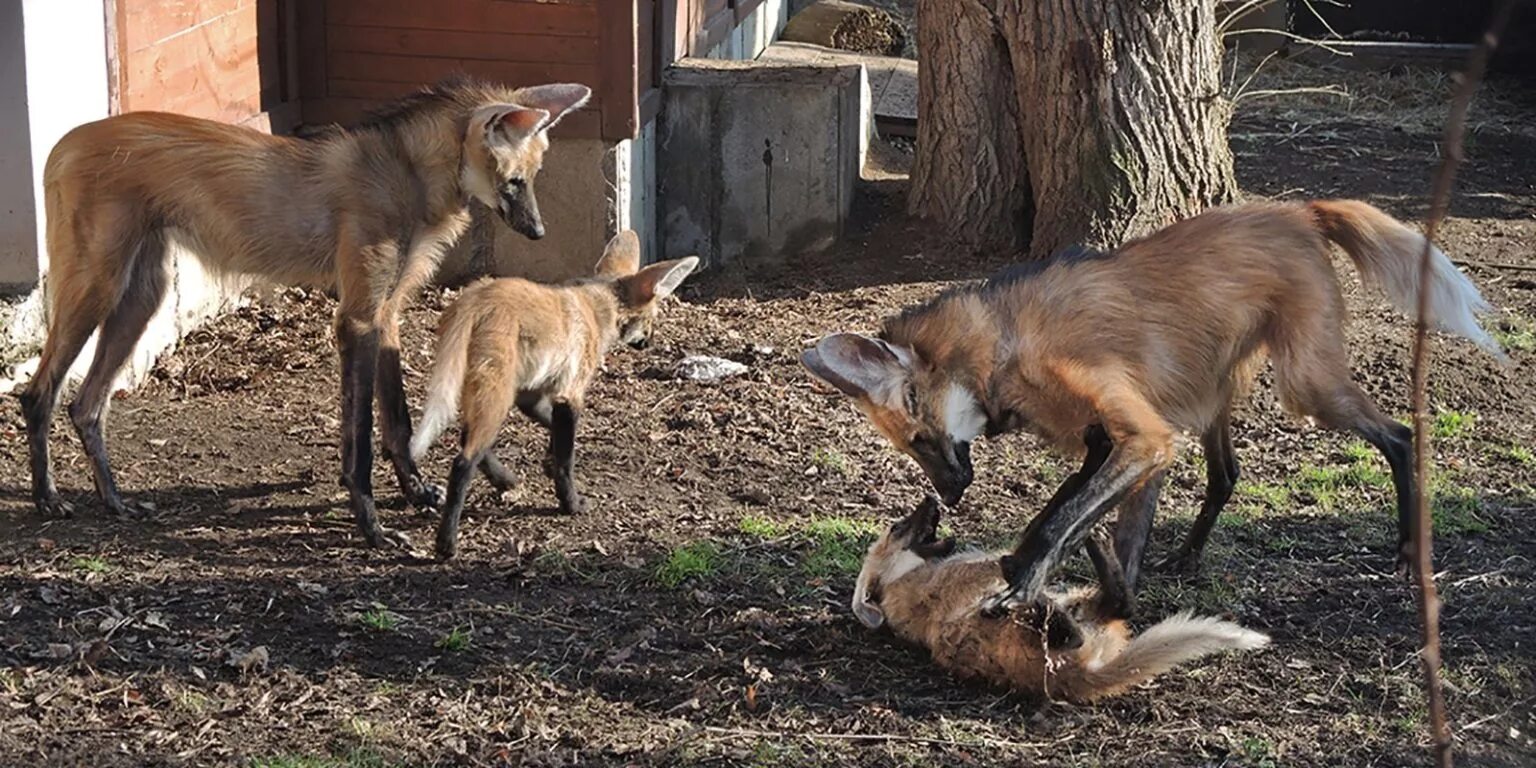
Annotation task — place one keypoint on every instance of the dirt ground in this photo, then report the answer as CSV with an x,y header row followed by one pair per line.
x,y
697,614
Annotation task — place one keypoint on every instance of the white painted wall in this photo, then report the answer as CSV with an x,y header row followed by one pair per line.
x,y
18,212
66,79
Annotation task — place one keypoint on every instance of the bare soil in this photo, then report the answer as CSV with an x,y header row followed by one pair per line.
x,y
697,614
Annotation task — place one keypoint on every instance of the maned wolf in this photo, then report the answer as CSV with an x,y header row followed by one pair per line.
x,y
1151,340
368,211
1074,647
513,342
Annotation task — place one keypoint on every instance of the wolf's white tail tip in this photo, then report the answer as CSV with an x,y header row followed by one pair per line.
x,y
1455,304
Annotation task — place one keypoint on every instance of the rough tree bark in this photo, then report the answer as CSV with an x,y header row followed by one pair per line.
x,y
1116,112
968,174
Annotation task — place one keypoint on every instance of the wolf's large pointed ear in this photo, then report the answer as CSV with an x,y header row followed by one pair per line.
x,y
508,123
621,257
558,99
856,364
869,614
659,280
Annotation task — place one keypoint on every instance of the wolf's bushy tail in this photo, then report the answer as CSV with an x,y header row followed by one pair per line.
x,y
1387,253
1167,644
447,382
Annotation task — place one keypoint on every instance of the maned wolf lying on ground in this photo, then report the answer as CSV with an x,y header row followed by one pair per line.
x,y
367,210
1075,646
514,342
1154,339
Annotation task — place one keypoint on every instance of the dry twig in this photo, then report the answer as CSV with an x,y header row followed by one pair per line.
x,y
1429,601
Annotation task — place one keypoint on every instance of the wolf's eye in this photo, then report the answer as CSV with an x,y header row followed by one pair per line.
x,y
910,397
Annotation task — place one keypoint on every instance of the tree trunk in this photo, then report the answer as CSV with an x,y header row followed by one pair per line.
x,y
1117,112
968,175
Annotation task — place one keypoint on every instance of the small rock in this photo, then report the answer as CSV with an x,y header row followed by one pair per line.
x,y
255,658
707,368
61,651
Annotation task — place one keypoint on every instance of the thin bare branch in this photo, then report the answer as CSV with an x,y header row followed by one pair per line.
x,y
1423,540
1241,11
1330,90
1335,50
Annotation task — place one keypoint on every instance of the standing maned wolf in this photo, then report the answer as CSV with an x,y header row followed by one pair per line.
x,y
513,342
1075,647
368,210
1155,338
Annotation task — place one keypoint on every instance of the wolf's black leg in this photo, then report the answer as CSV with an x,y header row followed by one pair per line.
x,y
359,361
395,424
1221,473
459,478
562,450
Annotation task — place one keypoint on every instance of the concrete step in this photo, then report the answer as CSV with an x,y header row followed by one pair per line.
x,y
892,81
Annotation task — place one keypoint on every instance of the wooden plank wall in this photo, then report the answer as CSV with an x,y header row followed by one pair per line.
x,y
223,60
358,54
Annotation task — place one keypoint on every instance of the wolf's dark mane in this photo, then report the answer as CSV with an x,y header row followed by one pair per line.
x,y
432,97
1001,281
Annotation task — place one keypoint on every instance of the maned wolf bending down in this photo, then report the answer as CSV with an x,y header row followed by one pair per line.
x,y
1150,340
513,342
1075,647
368,210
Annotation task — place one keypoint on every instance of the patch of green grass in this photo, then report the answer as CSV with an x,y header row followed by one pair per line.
x,y
91,564
454,641
829,459
379,619
1271,495
1520,454
192,702
1449,424
1515,333
695,560
1259,751
1454,510
837,546
357,758
1332,487
774,753
761,527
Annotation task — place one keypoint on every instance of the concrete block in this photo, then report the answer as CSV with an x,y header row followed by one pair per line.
x,y
756,160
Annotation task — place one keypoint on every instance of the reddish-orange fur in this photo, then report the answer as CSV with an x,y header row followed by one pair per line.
x,y
512,341
367,210
1149,342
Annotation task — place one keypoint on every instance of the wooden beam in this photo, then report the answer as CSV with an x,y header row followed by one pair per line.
x,y
619,70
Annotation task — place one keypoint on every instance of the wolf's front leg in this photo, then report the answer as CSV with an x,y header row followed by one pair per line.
x,y
562,452
1084,499
395,422
359,360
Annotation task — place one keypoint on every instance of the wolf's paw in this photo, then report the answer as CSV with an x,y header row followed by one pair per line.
x,y
425,496
1181,562
54,507
383,538
575,504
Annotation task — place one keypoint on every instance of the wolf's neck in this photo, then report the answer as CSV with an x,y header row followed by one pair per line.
x,y
960,335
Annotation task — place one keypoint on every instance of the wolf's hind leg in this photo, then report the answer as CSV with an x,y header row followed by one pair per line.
x,y
501,478
488,396
120,333
1313,377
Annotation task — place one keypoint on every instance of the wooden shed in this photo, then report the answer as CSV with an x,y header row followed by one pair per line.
x,y
320,61
278,64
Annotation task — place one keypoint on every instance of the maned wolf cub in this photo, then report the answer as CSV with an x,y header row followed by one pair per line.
x,y
513,342
368,210
1074,646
